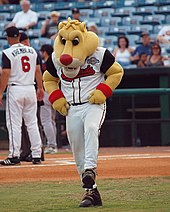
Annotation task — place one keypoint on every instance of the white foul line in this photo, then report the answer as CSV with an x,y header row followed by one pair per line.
x,y
70,161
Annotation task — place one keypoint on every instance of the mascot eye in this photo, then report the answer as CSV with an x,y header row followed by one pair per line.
x,y
75,42
63,41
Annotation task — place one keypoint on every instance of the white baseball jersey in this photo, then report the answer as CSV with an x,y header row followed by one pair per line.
x,y
91,74
19,59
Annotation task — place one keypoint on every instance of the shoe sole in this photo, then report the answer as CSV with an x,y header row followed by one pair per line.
x,y
16,164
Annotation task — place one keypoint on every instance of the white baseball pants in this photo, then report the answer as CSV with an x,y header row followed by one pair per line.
x,y
48,115
83,125
21,102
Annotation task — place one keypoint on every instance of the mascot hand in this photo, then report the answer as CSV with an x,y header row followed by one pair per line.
x,y
62,106
97,97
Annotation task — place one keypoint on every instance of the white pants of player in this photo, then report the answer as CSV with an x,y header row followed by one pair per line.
x,y
83,125
48,115
21,102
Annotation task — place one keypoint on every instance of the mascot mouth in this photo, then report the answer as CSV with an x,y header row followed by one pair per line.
x,y
70,72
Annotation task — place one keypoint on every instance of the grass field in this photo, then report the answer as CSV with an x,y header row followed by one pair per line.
x,y
139,195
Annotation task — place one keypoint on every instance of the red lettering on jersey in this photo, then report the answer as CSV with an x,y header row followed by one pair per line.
x,y
82,73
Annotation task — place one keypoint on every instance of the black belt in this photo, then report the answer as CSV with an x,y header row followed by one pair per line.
x,y
13,84
76,104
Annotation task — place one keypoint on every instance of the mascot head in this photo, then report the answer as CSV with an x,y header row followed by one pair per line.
x,y
73,45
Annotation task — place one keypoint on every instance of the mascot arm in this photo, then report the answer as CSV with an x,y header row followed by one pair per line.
x,y
104,90
56,97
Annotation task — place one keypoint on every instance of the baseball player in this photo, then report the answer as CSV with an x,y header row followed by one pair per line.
x,y
47,113
87,74
19,69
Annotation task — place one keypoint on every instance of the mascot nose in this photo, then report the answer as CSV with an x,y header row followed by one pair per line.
x,y
66,59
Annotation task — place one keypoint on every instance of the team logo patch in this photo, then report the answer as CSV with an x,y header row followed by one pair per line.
x,y
88,71
92,61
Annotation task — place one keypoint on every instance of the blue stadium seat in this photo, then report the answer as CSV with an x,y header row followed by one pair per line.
x,y
126,10
103,12
110,41
132,20
113,21
42,15
86,13
133,39
154,19
102,30
4,16
65,13
38,42
33,33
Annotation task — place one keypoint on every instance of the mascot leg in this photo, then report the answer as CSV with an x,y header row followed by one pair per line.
x,y
83,126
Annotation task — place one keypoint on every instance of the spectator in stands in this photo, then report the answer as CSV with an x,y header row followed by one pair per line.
x,y
164,35
142,60
144,47
50,27
92,27
123,52
76,14
26,18
155,59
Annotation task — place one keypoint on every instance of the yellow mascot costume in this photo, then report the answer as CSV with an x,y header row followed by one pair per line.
x,y
80,76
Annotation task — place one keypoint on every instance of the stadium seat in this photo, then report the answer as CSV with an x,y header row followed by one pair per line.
x,y
154,19
33,33
132,20
102,30
126,10
103,12
4,16
133,39
110,41
38,42
42,15
86,13
113,21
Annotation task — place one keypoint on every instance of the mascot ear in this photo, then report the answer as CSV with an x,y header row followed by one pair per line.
x,y
83,26
60,26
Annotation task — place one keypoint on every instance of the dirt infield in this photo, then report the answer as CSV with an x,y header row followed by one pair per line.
x,y
112,163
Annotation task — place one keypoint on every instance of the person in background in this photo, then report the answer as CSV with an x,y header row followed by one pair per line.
x,y
18,74
50,27
25,141
142,60
76,14
164,35
144,47
155,59
47,113
26,18
123,52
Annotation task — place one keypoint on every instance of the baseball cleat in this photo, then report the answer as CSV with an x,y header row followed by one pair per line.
x,y
36,161
10,161
50,150
88,178
91,198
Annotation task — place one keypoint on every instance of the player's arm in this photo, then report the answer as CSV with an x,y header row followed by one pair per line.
x,y
5,73
113,72
51,85
38,77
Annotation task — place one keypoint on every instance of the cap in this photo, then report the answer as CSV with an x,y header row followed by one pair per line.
x,y
144,33
23,36
75,10
12,32
54,13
